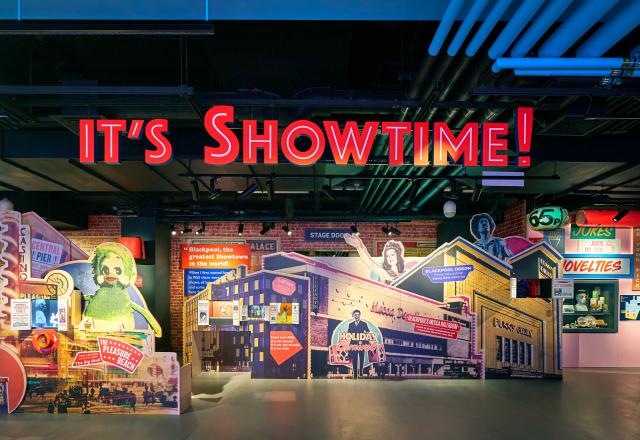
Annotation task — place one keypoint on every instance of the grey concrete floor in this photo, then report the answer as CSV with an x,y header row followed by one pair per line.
x,y
587,404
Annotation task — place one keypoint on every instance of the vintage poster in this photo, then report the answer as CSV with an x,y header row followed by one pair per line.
x,y
203,312
21,314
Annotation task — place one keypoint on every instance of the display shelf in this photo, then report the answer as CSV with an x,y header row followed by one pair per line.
x,y
597,295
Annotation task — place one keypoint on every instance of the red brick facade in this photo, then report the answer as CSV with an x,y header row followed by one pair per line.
x,y
515,221
101,228
370,233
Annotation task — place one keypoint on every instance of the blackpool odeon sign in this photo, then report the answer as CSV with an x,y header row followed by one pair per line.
x,y
474,145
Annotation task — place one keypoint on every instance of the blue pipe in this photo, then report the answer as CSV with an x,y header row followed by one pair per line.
x,y
466,26
487,26
557,63
570,72
514,27
540,25
626,18
445,25
586,14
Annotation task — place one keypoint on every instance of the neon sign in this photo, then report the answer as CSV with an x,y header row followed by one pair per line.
x,y
349,144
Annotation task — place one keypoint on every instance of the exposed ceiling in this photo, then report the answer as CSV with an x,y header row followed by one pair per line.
x,y
585,148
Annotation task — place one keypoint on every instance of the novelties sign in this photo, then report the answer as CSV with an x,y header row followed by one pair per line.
x,y
597,266
120,354
474,145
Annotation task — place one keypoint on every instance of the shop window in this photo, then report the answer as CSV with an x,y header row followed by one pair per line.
x,y
521,358
514,352
507,350
499,348
530,355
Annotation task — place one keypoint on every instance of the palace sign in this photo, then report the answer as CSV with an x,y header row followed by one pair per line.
x,y
348,144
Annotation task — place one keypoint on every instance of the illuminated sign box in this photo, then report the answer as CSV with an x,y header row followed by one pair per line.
x,y
597,266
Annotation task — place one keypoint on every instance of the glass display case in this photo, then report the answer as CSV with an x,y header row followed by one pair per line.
x,y
593,308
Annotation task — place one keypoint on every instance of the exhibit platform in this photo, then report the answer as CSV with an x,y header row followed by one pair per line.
x,y
586,404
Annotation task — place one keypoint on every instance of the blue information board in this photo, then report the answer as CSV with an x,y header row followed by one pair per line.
x,y
196,280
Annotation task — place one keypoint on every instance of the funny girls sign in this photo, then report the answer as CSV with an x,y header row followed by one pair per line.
x,y
350,143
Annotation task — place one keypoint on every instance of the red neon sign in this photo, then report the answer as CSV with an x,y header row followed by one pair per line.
x,y
351,144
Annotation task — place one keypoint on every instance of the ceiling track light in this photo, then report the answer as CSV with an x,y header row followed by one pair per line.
x,y
286,229
620,215
386,230
240,229
250,189
202,229
354,229
266,227
394,231
172,230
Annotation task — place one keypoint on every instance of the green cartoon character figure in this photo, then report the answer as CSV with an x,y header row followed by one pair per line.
x,y
111,308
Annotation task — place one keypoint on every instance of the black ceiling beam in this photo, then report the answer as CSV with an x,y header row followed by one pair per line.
x,y
555,91
124,194
114,28
26,169
163,177
607,174
48,205
95,90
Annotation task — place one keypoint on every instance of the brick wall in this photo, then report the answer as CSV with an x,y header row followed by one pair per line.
x,y
101,228
369,232
515,221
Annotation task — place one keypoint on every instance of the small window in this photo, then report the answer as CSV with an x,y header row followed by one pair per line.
x,y
507,350
521,358
514,352
499,348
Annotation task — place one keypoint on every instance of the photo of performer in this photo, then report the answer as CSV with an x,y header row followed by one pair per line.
x,y
482,228
360,340
393,264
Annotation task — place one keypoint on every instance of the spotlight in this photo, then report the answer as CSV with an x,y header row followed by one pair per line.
x,y
186,229
250,189
620,215
449,209
195,190
173,230
477,193
266,227
354,230
286,229
326,189
240,229
386,230
201,230
394,231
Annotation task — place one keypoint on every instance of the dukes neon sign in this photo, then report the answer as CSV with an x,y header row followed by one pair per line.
x,y
349,144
